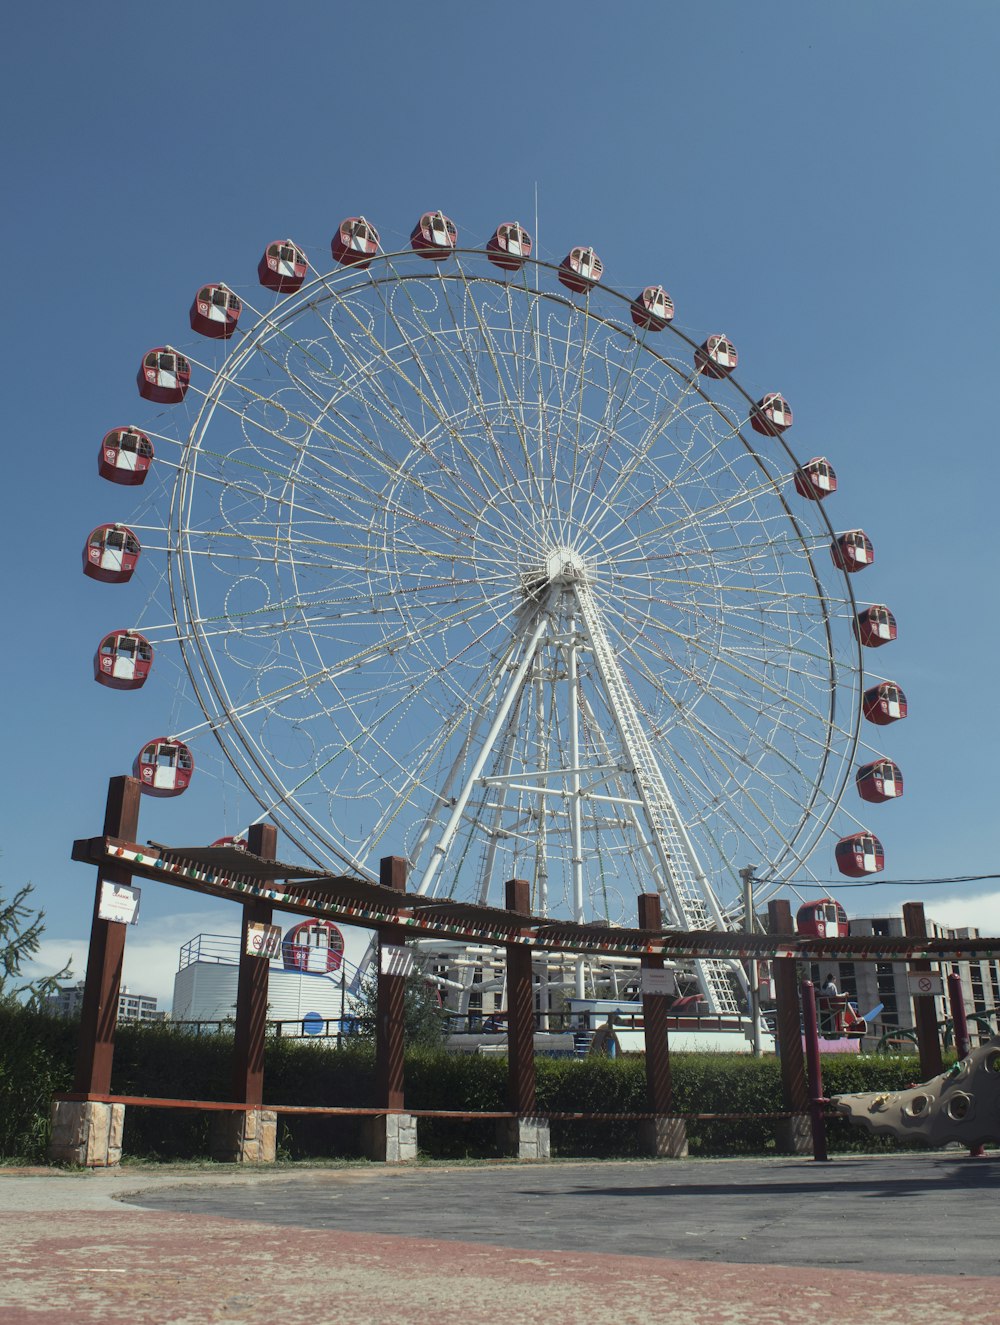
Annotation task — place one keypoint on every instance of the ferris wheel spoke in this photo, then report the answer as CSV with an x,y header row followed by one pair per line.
x,y
438,409
513,406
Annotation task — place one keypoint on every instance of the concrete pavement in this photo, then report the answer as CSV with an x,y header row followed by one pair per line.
x,y
874,1239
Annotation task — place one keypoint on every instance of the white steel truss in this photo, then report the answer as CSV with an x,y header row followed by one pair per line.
x,y
559,621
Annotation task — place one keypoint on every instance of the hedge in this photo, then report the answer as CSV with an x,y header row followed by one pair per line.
x,y
37,1053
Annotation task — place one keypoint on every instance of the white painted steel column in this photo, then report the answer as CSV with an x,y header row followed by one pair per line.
x,y
541,622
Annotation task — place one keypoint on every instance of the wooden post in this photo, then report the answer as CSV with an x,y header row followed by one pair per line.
x,y
963,1044
251,991
794,1092
816,1097
390,1002
659,1085
99,1015
664,1136
520,1009
925,1016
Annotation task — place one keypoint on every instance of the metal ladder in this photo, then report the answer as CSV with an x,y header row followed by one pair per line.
x,y
690,902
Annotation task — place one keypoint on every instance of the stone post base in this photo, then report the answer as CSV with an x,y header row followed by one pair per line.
x,y
244,1138
665,1138
86,1133
390,1139
525,1138
794,1135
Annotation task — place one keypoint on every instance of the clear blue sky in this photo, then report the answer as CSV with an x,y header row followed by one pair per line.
x,y
819,181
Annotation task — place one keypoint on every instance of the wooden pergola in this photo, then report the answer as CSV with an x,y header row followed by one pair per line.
x,y
259,883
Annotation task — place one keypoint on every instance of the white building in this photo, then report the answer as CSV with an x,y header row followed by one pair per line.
x,y
310,986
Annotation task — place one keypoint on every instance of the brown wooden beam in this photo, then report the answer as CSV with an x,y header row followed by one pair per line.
x,y
659,1083
99,1015
390,1001
520,1010
251,991
924,1007
794,1092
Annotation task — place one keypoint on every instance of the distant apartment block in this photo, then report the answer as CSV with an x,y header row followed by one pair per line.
x,y
131,1007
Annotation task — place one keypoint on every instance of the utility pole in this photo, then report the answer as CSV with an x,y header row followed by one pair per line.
x,y
746,875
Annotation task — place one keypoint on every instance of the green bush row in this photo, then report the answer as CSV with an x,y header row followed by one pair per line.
x,y
37,1055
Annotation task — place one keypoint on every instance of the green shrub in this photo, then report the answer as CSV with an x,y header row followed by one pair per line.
x,y
37,1053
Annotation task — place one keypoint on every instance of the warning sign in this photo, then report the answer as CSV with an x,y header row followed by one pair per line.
x,y
263,940
925,982
118,902
658,982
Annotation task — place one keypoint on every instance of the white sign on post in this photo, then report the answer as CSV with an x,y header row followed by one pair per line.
x,y
395,960
925,982
119,902
263,940
658,982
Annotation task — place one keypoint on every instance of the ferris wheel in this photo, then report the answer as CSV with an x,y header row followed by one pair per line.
x,y
472,559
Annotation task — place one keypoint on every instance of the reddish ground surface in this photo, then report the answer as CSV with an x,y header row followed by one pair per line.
x,y
112,1263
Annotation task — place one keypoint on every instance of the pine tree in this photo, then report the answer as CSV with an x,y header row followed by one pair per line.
x,y
21,928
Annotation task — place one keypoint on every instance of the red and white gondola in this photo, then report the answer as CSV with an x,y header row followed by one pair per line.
x,y
860,854
435,236
879,781
125,456
652,308
355,242
816,479
316,946
282,267
771,415
164,376
852,551
580,270
875,626
823,918
215,312
163,767
111,554
509,246
884,703
123,660
716,357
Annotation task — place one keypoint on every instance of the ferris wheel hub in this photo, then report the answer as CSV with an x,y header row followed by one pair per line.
x,y
560,565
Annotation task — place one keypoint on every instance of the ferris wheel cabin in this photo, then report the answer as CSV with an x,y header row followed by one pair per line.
x,y
580,270
111,554
875,626
435,236
215,312
852,551
860,854
125,456
282,267
652,309
509,246
237,843
355,243
164,376
716,357
771,415
824,918
816,480
123,660
884,703
879,781
316,946
163,767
